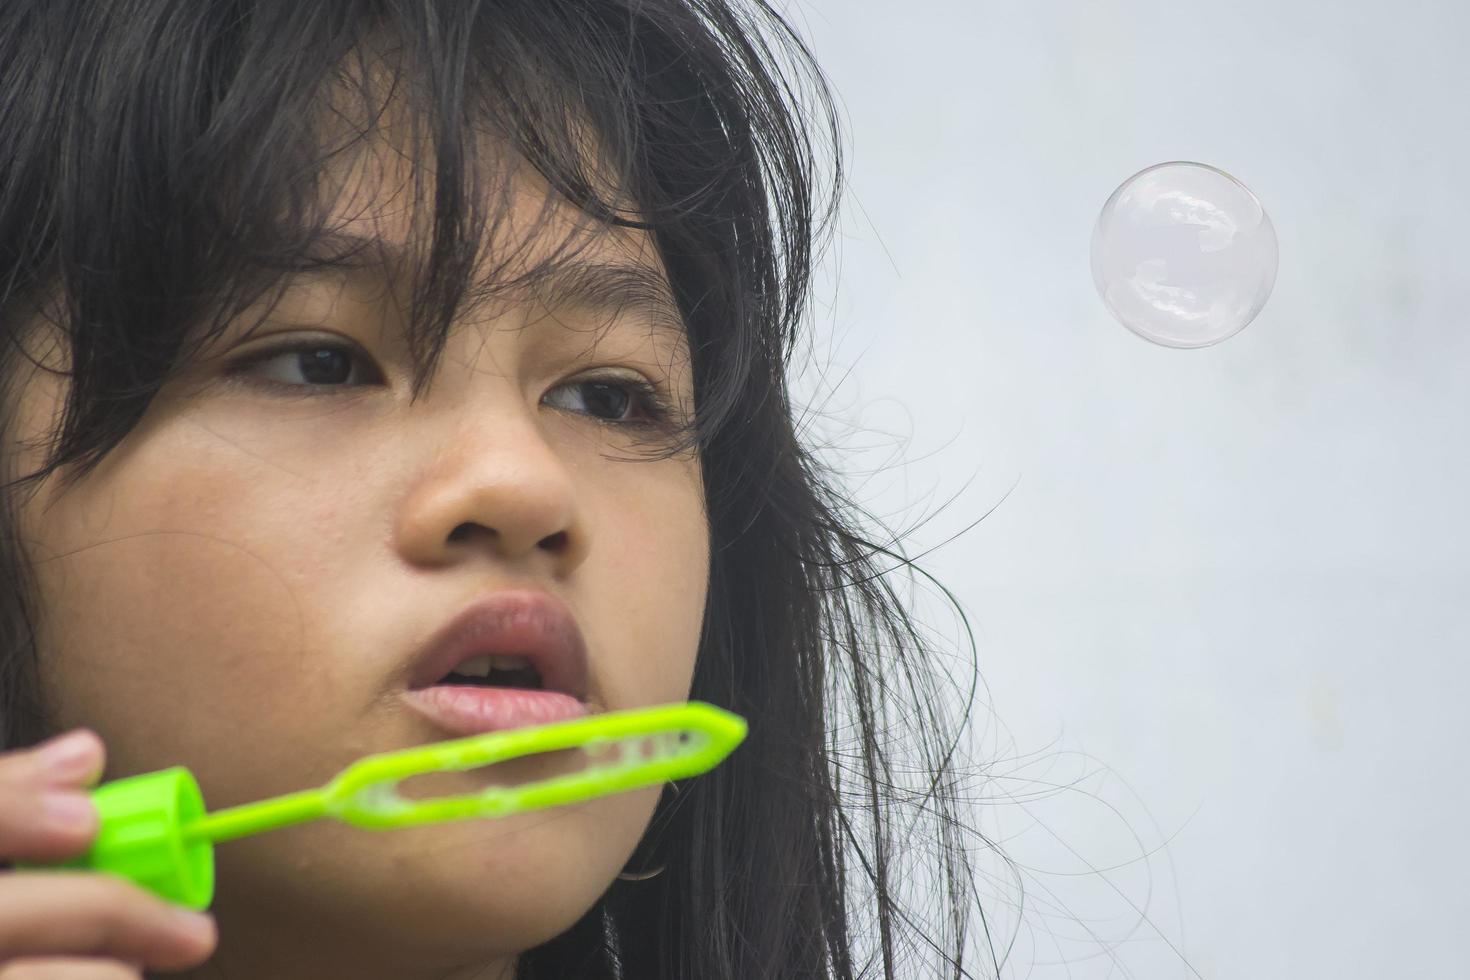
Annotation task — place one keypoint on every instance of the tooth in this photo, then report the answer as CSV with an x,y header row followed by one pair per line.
x,y
480,666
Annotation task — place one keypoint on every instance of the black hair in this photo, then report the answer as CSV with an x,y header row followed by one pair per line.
x,y
160,170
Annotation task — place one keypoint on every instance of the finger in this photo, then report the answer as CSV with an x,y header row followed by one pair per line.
x,y
68,968
73,759
92,914
41,825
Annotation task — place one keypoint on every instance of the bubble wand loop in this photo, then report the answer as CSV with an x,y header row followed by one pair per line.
x,y
155,832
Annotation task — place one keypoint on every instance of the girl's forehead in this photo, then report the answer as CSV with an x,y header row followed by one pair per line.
x,y
379,169
375,208
600,282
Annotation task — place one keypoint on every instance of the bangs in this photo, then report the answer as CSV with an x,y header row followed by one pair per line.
x,y
459,169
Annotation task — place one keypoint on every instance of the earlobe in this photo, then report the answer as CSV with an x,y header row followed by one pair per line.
x,y
645,875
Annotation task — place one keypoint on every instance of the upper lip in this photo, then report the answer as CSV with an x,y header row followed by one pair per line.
x,y
524,622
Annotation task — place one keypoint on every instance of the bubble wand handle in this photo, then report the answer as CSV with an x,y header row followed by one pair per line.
x,y
254,818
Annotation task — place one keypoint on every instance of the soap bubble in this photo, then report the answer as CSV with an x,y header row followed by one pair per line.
x,y
1184,255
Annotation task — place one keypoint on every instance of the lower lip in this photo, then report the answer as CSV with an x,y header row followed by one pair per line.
x,y
470,710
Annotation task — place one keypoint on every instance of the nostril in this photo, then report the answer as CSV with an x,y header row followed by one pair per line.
x,y
465,530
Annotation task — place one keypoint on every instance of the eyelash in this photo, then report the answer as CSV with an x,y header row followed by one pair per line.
x,y
653,402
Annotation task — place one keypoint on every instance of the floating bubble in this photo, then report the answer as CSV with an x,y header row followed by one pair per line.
x,y
1184,255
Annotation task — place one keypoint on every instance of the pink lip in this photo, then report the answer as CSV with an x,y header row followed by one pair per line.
x,y
523,622
470,710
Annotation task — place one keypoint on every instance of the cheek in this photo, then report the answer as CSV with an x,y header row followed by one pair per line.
x,y
649,590
168,622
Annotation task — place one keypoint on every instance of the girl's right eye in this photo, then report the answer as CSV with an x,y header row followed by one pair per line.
x,y
321,364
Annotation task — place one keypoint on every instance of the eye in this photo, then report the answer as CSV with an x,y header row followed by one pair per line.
x,y
325,366
321,364
617,395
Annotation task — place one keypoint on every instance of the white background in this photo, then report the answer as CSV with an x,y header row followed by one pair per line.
x,y
1223,604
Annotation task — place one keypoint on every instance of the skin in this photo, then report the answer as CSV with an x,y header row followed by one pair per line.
x,y
242,586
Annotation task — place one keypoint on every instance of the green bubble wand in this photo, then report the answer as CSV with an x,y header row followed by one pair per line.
x,y
154,830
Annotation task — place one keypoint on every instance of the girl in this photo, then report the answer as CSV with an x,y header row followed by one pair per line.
x,y
327,320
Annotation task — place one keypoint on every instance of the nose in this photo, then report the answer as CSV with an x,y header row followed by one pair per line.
x,y
495,485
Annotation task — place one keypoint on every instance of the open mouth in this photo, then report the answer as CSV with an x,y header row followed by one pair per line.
x,y
495,671
494,692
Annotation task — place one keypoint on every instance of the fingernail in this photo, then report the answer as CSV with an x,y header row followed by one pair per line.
x,y
69,755
68,811
196,925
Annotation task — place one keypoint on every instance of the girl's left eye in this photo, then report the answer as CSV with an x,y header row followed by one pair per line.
x,y
328,365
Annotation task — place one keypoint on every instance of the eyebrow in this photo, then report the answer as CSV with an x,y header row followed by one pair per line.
x,y
609,287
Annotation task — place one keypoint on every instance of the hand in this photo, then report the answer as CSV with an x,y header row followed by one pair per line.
x,y
69,924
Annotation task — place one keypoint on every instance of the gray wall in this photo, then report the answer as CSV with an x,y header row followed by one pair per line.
x,y
1223,604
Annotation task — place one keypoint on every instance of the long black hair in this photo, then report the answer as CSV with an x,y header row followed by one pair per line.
x,y
160,170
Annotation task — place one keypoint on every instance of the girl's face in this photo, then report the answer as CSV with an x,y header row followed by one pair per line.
x,y
243,585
